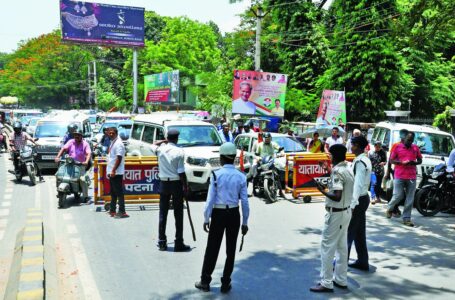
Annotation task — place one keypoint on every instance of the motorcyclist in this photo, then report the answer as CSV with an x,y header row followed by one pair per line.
x,y
78,149
105,139
451,162
69,134
263,149
17,142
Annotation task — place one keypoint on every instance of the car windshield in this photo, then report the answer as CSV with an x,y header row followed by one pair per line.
x,y
44,130
430,143
197,136
289,144
33,122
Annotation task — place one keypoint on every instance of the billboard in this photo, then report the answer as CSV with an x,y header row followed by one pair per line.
x,y
137,180
162,87
96,23
332,108
259,93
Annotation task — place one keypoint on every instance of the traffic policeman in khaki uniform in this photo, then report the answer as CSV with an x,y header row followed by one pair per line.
x,y
337,217
361,167
221,213
173,184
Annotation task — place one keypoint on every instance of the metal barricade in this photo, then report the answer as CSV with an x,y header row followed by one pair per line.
x,y
303,168
140,181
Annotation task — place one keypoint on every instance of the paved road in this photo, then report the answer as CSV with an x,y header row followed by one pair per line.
x,y
97,257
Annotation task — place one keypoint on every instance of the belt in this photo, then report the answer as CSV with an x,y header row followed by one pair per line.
x,y
169,178
225,206
334,209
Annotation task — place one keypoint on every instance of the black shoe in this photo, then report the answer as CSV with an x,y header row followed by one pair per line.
x,y
359,266
181,247
344,287
162,246
225,288
320,289
41,179
205,287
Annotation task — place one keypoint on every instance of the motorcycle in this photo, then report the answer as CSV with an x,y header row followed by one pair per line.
x,y
26,165
267,180
3,138
67,178
437,193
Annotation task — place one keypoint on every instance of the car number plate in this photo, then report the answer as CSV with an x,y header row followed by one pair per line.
x,y
48,157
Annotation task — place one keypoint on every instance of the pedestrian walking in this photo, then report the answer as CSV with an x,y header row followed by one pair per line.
x,y
173,184
115,170
360,202
403,133
221,215
335,231
378,159
406,156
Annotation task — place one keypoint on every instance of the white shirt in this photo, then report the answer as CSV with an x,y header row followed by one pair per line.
x,y
116,149
451,161
170,161
331,141
361,167
243,107
231,186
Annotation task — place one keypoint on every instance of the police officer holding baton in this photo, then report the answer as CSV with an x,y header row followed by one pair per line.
x,y
221,213
173,184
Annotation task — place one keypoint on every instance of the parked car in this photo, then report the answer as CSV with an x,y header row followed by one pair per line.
x,y
51,129
121,125
199,140
433,143
31,125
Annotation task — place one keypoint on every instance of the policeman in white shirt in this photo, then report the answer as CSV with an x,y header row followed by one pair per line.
x,y
221,214
173,184
334,234
451,162
333,139
360,201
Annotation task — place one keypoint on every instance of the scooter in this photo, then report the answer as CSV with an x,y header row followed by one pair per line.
x,y
67,178
26,165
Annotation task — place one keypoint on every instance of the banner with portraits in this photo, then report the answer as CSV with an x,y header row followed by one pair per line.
x,y
332,108
259,93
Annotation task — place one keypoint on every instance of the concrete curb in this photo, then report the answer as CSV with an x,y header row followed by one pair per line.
x,y
26,279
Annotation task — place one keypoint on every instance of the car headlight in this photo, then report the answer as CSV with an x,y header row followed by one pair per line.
x,y
196,161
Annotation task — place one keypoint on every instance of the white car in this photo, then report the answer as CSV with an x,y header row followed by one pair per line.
x,y
199,140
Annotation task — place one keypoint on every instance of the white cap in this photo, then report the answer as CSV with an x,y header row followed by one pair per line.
x,y
228,149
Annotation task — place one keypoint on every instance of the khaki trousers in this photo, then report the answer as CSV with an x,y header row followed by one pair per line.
x,y
335,242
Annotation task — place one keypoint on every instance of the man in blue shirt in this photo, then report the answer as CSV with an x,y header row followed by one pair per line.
x,y
221,213
451,162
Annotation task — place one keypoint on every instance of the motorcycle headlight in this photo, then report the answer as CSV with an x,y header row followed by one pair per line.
x,y
69,160
196,161
435,175
429,170
26,152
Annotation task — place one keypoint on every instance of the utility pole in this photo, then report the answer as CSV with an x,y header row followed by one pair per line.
x,y
134,80
257,55
94,84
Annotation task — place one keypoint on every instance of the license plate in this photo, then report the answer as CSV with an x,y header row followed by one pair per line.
x,y
48,157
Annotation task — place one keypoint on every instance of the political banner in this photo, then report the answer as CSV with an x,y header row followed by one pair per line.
x,y
105,24
137,180
162,87
259,93
332,108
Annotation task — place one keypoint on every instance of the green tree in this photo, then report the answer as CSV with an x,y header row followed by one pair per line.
x,y
363,60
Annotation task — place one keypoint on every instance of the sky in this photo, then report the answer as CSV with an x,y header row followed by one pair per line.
x,y
25,19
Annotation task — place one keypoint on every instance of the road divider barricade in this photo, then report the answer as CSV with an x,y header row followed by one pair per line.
x,y
27,275
140,181
302,169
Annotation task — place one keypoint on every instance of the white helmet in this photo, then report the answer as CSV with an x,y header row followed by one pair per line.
x,y
228,149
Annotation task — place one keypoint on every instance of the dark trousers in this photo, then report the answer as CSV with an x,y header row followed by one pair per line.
x,y
356,230
117,193
170,189
222,220
377,187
